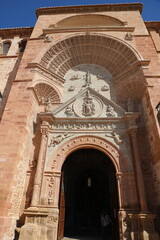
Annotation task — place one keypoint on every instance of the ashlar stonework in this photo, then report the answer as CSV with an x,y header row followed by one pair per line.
x,y
79,125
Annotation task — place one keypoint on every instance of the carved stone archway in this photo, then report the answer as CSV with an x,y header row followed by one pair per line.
x,y
88,142
89,49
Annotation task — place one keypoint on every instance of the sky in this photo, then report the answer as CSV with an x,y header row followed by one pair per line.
x,y
21,13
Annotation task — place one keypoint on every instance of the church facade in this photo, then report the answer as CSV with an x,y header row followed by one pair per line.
x,y
79,128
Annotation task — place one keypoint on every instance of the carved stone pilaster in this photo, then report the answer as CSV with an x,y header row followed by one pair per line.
x,y
138,169
51,190
118,176
40,223
40,164
135,226
147,225
124,225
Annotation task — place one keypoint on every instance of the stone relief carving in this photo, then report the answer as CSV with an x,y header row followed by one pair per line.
x,y
58,139
69,112
92,140
51,190
75,77
71,88
117,138
88,126
17,190
104,88
87,79
48,38
110,112
88,107
48,105
128,36
52,219
10,232
99,77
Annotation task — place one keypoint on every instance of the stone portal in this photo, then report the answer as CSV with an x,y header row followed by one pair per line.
x,y
89,183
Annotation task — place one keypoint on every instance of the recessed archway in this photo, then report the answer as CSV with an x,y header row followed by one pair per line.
x,y
105,51
88,186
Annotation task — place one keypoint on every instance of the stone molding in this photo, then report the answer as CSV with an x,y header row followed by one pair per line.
x,y
90,8
87,141
53,59
35,67
92,29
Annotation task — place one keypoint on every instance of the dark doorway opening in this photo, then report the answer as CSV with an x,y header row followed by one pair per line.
x,y
89,186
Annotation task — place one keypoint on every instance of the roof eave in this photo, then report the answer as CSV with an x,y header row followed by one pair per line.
x,y
90,8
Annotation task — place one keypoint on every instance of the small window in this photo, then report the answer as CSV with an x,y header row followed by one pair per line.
x,y
6,47
22,46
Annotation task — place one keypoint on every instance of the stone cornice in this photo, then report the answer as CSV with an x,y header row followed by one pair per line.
x,y
141,63
90,8
153,25
8,56
11,32
82,29
34,66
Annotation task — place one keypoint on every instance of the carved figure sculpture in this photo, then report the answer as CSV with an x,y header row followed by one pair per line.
x,y
129,37
117,138
104,88
48,106
88,107
48,38
58,139
75,77
69,112
110,111
87,79
71,88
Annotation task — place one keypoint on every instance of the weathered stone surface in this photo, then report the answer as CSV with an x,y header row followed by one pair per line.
x,y
89,83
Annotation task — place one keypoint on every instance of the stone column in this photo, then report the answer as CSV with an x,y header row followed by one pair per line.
x,y
57,188
118,176
138,170
40,164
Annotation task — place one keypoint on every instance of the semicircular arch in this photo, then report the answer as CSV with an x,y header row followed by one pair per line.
x,y
44,91
106,51
117,158
89,20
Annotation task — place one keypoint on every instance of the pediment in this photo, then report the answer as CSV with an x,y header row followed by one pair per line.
x,y
88,104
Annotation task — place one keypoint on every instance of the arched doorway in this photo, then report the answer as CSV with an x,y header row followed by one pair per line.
x,y
88,186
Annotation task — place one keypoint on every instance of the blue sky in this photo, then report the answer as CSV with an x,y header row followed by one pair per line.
x,y
21,13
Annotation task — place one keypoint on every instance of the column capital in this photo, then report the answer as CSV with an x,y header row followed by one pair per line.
x,y
44,128
133,131
118,176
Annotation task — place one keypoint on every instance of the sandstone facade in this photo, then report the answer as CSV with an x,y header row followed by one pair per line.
x,y
87,82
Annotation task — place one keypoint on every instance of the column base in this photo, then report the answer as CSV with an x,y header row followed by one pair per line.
x,y
40,224
137,226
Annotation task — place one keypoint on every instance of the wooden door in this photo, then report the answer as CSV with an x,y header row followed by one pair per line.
x,y
61,211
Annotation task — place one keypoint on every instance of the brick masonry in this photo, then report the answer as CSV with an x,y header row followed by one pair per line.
x,y
138,79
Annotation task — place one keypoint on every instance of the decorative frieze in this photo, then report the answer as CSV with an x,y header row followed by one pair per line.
x,y
17,190
51,190
85,140
110,112
88,107
58,139
81,126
